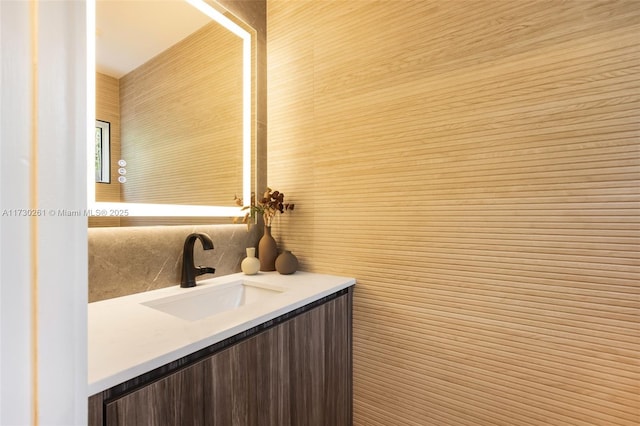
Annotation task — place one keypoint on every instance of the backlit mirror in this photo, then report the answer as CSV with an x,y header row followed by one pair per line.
x,y
173,80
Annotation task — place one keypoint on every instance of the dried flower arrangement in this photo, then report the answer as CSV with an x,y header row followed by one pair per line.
x,y
271,203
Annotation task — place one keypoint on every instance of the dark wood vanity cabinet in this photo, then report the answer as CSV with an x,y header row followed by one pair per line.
x,y
295,372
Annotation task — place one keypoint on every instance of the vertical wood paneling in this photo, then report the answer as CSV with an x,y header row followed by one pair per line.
x,y
476,166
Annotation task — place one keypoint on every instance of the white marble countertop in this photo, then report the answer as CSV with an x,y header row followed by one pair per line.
x,y
127,338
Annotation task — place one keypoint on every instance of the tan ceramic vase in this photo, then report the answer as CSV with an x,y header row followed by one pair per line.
x,y
267,251
286,263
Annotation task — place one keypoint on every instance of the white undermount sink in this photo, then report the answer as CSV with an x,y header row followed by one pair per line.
x,y
198,303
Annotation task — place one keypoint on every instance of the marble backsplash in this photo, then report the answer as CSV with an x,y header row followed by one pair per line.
x,y
130,260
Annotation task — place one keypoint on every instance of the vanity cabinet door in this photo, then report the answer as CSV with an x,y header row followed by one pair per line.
x,y
175,400
246,384
320,365
296,373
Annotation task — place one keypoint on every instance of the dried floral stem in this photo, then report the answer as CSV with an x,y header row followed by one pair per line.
x,y
271,203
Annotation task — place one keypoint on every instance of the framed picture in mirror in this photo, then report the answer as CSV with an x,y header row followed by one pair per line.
x,y
103,153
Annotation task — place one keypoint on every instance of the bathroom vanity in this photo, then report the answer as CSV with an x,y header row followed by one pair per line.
x,y
267,349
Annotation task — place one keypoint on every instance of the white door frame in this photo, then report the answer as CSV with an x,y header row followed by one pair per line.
x,y
43,258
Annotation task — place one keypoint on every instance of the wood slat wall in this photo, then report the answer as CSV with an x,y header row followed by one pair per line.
x,y
189,95
476,166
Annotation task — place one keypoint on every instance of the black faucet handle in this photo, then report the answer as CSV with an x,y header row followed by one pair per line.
x,y
205,270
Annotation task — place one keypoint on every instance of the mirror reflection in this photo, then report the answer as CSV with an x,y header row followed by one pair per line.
x,y
173,97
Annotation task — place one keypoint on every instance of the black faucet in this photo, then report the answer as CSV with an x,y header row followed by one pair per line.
x,y
189,271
